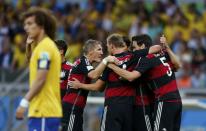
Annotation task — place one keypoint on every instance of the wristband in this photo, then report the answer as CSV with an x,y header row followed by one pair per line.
x,y
104,61
24,103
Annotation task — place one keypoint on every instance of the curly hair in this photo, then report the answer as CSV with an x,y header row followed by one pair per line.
x,y
43,18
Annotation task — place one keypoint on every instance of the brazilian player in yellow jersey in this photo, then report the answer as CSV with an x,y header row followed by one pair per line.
x,y
46,57
43,97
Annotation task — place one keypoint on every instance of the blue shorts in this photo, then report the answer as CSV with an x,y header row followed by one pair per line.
x,y
44,124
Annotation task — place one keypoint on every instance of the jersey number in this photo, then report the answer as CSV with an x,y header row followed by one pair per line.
x,y
169,72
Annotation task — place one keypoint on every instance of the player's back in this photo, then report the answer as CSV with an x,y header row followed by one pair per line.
x,y
119,90
158,73
47,102
161,77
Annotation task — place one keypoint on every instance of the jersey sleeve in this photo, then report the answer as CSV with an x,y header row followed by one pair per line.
x,y
85,67
44,60
145,64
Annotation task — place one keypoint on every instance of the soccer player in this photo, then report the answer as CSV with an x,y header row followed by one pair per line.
x,y
119,95
43,97
75,99
66,66
144,96
159,76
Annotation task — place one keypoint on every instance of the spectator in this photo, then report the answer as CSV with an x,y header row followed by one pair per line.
x,y
198,78
4,30
194,39
154,28
182,22
199,53
6,56
19,60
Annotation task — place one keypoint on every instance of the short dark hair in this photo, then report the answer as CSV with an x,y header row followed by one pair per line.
x,y
126,40
90,45
43,18
116,40
143,39
62,45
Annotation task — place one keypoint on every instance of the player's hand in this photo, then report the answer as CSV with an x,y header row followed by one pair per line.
x,y
29,40
20,112
112,59
163,41
75,84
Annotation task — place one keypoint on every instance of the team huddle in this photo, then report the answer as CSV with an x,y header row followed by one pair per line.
x,y
137,77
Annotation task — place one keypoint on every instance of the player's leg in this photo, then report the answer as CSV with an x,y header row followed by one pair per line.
x,y
34,124
142,118
166,116
128,112
178,117
66,116
151,114
52,124
76,121
72,121
163,118
111,119
44,124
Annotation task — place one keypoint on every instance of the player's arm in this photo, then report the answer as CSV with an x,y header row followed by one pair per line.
x,y
143,65
28,52
128,75
37,85
97,86
29,43
33,91
42,71
174,59
94,74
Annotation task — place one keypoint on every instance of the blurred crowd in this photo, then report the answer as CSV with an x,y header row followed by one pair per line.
x,y
183,23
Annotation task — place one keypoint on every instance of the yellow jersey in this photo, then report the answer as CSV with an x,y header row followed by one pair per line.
x,y
47,102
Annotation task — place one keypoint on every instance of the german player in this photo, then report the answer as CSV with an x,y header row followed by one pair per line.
x,y
158,73
144,97
66,66
119,95
43,97
75,99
